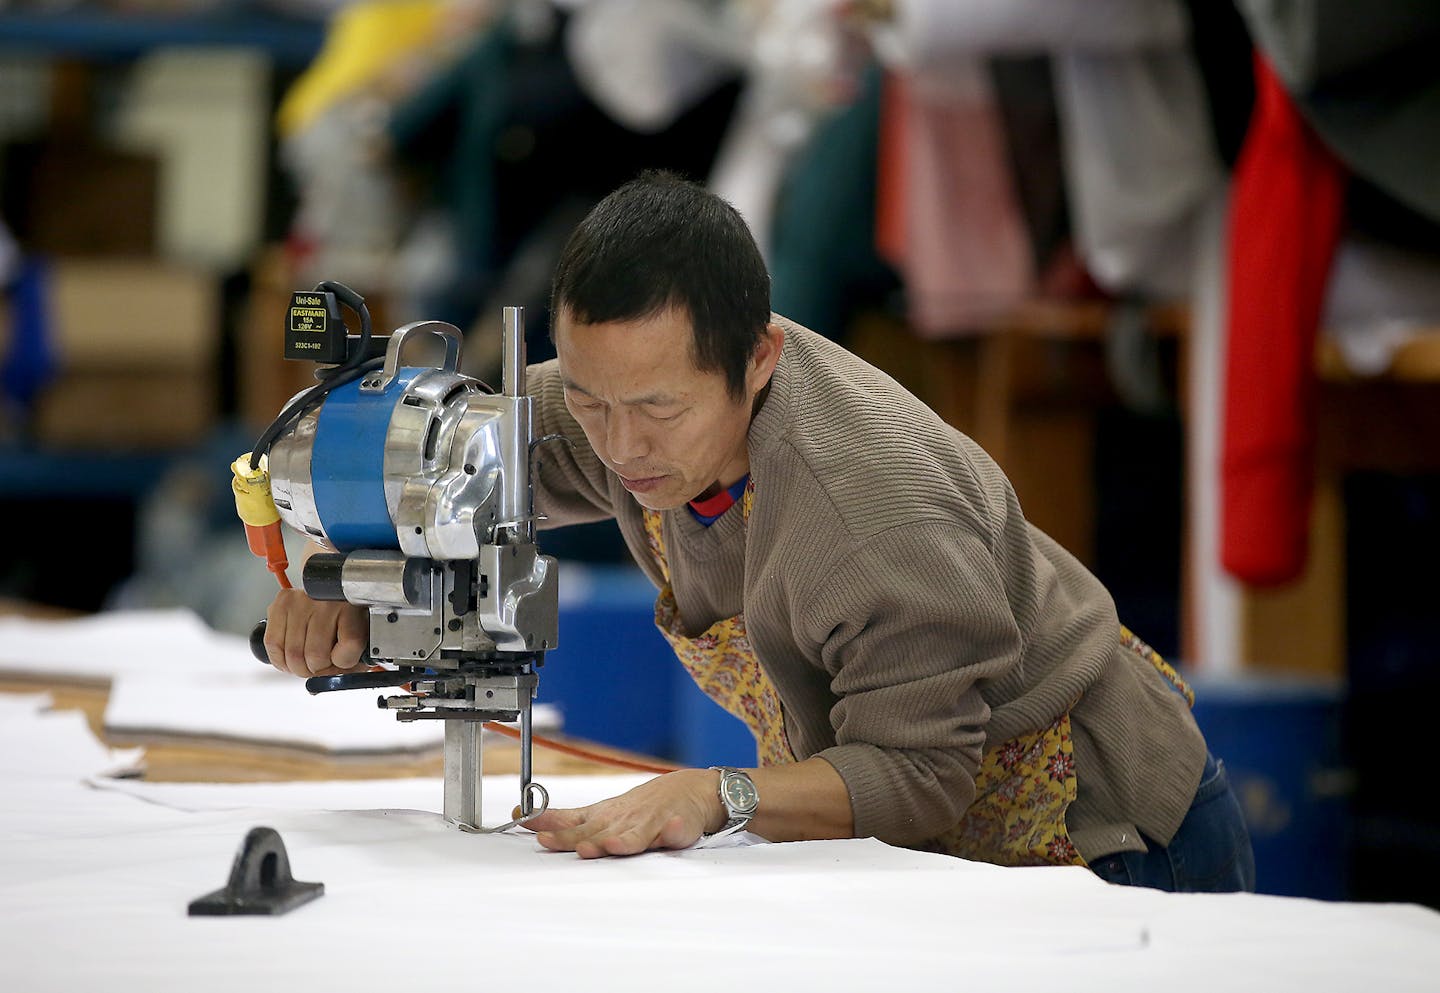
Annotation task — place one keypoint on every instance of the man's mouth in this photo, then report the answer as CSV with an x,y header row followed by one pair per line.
x,y
641,484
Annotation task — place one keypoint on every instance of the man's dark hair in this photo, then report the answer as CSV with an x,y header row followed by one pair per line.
x,y
662,241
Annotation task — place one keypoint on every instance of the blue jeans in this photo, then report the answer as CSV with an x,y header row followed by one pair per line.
x,y
1210,853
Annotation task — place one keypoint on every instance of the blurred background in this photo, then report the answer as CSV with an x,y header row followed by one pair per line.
x,y
1176,265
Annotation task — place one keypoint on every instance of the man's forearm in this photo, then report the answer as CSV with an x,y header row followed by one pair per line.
x,y
801,801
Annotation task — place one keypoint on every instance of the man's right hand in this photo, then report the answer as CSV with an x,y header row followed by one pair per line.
x,y
306,637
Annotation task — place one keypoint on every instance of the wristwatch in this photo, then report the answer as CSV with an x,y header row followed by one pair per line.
x,y
740,798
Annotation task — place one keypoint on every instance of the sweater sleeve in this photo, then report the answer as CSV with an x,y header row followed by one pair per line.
x,y
910,627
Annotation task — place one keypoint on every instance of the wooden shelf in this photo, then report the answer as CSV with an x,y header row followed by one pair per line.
x,y
1416,361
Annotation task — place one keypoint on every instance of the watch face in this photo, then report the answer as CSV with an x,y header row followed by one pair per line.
x,y
740,794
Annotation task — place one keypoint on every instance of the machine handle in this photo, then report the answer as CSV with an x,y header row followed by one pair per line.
x,y
328,684
382,679
257,643
449,332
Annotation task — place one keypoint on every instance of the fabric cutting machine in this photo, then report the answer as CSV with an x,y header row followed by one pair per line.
x,y
415,479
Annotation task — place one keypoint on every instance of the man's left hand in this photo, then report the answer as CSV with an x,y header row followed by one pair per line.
x,y
669,811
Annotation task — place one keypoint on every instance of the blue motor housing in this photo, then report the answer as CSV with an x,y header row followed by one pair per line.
x,y
420,460
347,464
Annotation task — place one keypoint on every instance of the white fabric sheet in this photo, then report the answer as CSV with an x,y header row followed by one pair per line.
x,y
263,706
118,643
170,674
95,878
41,746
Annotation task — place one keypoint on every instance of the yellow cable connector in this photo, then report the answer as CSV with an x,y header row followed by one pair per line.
x,y
252,492
257,509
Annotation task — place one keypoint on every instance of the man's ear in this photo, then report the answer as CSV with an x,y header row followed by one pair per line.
x,y
765,357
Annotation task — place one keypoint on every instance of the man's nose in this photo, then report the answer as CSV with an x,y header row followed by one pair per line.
x,y
625,437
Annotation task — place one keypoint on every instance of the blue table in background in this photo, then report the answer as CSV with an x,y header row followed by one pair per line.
x,y
616,680
1279,738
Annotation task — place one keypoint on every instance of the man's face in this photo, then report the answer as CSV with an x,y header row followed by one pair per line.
x,y
666,428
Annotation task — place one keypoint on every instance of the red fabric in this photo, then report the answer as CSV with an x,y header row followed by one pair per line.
x,y
1286,211
713,506
892,235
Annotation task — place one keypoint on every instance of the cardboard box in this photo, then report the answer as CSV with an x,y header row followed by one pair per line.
x,y
139,315
267,380
205,114
137,347
126,410
76,197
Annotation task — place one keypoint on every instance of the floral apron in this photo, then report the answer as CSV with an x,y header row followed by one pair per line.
x,y
1023,785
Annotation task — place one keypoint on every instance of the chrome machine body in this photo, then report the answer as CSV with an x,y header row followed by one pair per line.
x,y
418,480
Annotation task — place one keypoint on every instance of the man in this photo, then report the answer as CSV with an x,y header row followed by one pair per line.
x,y
847,574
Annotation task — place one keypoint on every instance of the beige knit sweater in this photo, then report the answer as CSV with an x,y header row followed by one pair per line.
x,y
903,607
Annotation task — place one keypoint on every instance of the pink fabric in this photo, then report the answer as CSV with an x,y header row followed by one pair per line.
x,y
949,218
